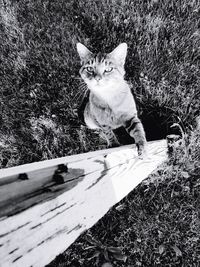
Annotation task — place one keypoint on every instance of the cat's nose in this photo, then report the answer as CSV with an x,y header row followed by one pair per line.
x,y
98,78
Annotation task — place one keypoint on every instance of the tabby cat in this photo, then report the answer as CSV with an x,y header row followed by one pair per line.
x,y
110,104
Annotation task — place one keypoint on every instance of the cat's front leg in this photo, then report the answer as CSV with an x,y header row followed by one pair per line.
x,y
135,129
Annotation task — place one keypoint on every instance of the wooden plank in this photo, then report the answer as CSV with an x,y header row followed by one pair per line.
x,y
14,171
39,218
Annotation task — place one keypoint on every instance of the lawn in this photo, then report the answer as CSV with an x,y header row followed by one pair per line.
x,y
40,92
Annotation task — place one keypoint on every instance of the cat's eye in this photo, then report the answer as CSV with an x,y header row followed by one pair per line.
x,y
89,69
109,69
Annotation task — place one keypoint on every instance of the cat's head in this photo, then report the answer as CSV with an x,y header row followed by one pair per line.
x,y
99,70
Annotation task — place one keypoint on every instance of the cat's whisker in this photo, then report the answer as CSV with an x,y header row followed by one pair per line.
x,y
81,88
82,93
78,79
76,97
83,85
78,93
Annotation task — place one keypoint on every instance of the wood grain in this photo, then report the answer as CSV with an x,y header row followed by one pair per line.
x,y
39,218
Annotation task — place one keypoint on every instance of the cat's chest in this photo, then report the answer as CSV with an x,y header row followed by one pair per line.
x,y
110,104
106,117
114,116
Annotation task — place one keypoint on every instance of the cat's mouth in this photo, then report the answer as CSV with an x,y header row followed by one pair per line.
x,y
95,84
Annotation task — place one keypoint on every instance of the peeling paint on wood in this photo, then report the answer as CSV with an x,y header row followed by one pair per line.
x,y
40,217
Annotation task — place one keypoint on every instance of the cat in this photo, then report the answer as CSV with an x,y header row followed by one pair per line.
x,y
110,103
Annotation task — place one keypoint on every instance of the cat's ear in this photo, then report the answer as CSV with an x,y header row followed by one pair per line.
x,y
119,53
83,52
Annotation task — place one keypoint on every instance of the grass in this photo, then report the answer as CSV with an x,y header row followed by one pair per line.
x,y
39,69
158,223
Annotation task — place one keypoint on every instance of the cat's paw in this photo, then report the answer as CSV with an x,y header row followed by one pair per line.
x,y
142,152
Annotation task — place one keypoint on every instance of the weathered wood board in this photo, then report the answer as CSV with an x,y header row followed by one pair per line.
x,y
40,218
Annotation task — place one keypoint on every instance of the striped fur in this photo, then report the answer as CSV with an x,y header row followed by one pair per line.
x,y
110,103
